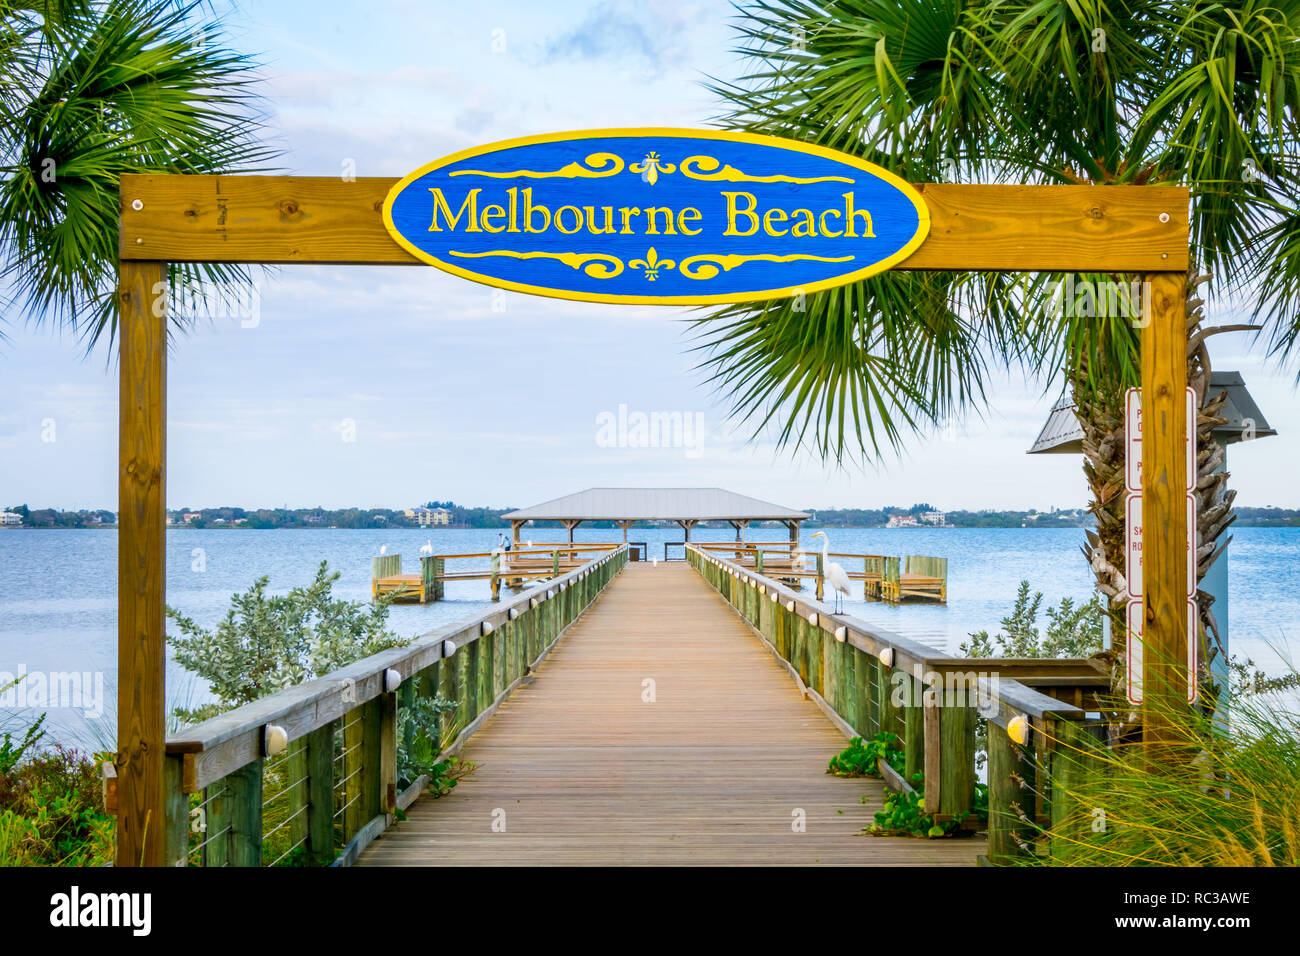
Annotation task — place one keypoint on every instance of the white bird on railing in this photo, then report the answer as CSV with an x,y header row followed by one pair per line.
x,y
383,549
427,547
835,574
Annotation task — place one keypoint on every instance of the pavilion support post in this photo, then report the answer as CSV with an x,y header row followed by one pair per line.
x,y
687,525
1164,512
515,527
142,523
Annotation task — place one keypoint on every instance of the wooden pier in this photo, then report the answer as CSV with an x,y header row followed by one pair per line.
x,y
884,577
714,770
514,568
625,713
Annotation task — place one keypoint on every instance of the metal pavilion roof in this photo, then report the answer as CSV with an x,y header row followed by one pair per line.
x,y
656,504
1062,433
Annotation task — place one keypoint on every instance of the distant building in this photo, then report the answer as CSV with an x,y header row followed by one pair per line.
x,y
425,517
189,516
11,518
926,519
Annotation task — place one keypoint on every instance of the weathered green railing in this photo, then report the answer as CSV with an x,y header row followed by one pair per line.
x,y
309,776
869,681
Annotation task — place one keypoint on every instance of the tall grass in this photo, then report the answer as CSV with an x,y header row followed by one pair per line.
x,y
1210,797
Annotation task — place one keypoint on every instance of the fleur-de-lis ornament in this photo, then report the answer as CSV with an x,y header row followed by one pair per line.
x,y
652,264
651,167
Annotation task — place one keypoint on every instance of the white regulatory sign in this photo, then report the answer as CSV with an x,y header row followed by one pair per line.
x,y
1135,622
1133,439
1133,549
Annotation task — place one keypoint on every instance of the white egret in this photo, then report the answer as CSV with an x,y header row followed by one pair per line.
x,y
835,574
427,547
383,549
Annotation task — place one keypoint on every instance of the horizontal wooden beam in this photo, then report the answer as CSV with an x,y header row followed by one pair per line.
x,y
288,219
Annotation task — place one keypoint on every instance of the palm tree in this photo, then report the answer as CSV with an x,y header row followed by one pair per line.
x,y
88,91
1200,94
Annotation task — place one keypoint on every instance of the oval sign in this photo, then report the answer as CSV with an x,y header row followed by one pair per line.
x,y
657,216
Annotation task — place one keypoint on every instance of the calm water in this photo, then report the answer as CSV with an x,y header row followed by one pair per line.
x,y
58,588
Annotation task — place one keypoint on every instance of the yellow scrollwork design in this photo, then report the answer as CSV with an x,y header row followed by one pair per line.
x,y
707,168
652,264
602,164
708,266
597,265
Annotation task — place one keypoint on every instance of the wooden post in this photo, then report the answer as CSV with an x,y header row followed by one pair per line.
x,y
245,791
320,795
178,815
1011,774
388,753
141,559
1164,515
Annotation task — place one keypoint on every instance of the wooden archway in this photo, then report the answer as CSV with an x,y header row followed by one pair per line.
x,y
328,221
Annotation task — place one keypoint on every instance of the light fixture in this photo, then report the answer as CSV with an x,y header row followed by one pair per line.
x,y
448,648
812,618
841,633
789,605
1018,729
886,656
487,628
275,740
514,613
392,680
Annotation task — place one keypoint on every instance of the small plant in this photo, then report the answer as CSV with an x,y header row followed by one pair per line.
x,y
903,814
859,758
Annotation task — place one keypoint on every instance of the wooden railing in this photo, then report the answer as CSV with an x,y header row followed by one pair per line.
x,y
308,776
870,681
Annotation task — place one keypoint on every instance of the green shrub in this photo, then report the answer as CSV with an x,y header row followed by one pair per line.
x,y
859,758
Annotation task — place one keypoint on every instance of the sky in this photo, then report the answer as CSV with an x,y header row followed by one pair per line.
x,y
372,387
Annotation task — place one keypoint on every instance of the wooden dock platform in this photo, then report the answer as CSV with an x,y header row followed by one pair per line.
x,y
713,771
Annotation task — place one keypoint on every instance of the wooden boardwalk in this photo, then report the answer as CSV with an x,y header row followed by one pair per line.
x,y
711,772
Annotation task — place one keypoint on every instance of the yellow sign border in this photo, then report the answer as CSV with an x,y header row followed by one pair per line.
x,y
790,145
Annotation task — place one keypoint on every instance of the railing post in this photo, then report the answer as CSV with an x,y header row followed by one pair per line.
x,y
957,776
295,771
244,789
1009,797
914,730
1073,764
320,795
353,769
177,804
387,708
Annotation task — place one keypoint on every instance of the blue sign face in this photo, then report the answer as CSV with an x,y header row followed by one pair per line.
x,y
657,216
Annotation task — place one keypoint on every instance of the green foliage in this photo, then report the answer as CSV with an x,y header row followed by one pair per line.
x,y
1072,630
1220,798
10,751
903,813
420,734
51,812
92,91
859,758
993,91
267,643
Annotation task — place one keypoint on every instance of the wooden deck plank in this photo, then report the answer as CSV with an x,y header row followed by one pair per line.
x,y
709,773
